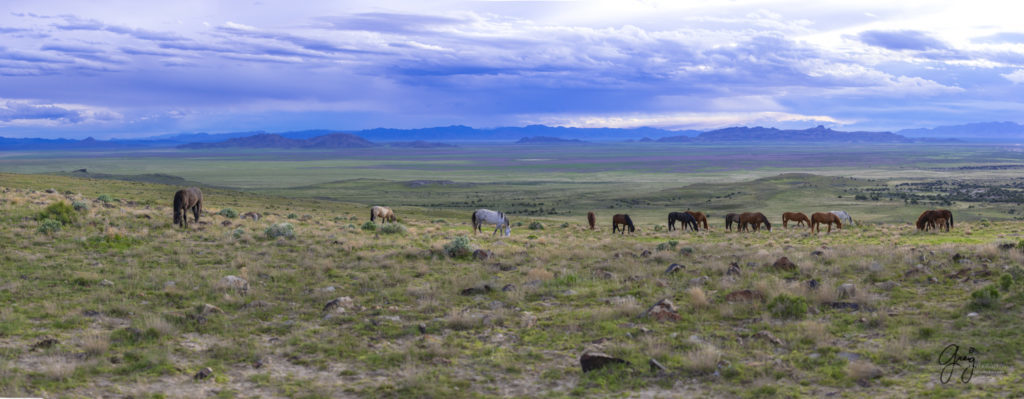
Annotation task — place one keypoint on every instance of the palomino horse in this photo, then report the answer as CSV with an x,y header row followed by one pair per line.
x,y
591,219
755,220
799,218
685,218
700,218
625,221
184,200
730,219
827,218
488,216
384,213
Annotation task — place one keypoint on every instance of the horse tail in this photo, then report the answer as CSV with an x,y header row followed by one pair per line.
x,y
950,220
178,207
373,214
473,218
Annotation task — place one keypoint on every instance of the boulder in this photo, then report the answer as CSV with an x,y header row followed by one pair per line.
x,y
233,283
744,296
847,291
702,280
784,264
592,360
734,269
338,304
663,310
478,290
482,254
673,268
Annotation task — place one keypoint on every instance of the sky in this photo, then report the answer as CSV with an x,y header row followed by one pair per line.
x,y
111,68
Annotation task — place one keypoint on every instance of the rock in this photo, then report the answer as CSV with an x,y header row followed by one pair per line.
x,y
875,267
234,283
604,275
508,288
817,253
768,336
656,366
887,285
686,251
478,290
225,223
963,272
744,296
507,268
251,215
203,374
1007,246
645,253
673,268
256,305
107,283
482,254
813,284
848,355
338,304
957,257
51,191
208,309
663,310
702,280
844,305
784,264
592,360
847,291
422,328
734,269
170,284
45,343
933,280
329,288
972,314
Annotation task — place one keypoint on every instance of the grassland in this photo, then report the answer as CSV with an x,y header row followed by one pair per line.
x,y
121,303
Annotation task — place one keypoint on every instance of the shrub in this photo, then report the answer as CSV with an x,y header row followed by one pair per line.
x,y
238,233
790,307
228,213
369,226
658,227
536,226
59,211
985,298
280,230
80,206
105,198
565,225
49,226
1005,281
393,228
665,246
459,247
292,216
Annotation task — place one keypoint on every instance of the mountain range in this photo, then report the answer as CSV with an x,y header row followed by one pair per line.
x,y
444,136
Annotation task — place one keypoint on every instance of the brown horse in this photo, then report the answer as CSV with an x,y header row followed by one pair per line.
x,y
754,219
625,221
700,218
947,216
926,218
730,219
799,218
935,219
184,200
384,213
591,219
825,217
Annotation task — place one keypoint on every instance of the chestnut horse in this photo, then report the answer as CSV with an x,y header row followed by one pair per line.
x,y
935,219
799,218
591,219
730,219
685,218
624,220
700,218
754,219
825,217
184,200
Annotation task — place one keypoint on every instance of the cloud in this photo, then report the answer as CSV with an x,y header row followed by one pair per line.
x,y
1017,77
902,40
28,113
682,120
389,22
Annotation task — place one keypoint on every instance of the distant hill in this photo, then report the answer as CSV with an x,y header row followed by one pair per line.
x,y
264,140
972,131
816,134
548,140
420,144
465,133
675,139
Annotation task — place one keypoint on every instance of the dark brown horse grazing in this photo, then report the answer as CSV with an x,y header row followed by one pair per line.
x,y
730,219
825,217
700,218
926,218
184,200
685,218
935,219
797,217
591,219
947,215
754,219
625,221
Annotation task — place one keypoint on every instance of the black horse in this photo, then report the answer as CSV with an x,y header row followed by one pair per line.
x,y
730,219
184,200
686,219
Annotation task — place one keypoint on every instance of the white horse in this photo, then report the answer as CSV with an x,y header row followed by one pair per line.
x,y
845,217
488,216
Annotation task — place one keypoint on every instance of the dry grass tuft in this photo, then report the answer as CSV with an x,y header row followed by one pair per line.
x,y
698,299
539,274
703,359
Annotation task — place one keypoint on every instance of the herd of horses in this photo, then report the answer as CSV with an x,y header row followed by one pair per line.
x,y
191,199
